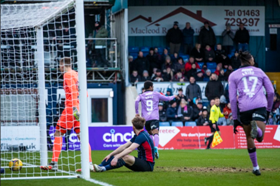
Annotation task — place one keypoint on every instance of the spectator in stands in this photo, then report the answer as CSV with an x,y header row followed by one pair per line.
x,y
164,55
134,77
157,54
214,88
188,34
222,76
175,58
162,113
204,68
228,37
174,38
141,63
242,38
197,53
168,63
188,65
142,90
207,75
235,61
203,119
192,72
197,110
180,96
228,72
227,113
271,120
145,76
221,56
218,68
199,75
179,65
100,45
159,77
193,90
209,54
276,102
168,74
211,103
171,112
89,52
207,36
185,112
131,64
179,76
153,60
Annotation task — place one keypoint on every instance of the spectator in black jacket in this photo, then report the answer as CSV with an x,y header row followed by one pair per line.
x,y
197,53
131,64
188,33
193,90
141,63
221,56
171,112
168,63
145,76
180,96
180,65
162,113
192,71
168,74
179,76
174,38
203,119
207,36
157,54
242,38
153,60
214,88
185,112
199,75
228,72
197,110
209,54
159,77
235,61
134,77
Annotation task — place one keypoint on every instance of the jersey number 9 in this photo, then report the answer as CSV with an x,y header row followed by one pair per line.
x,y
149,104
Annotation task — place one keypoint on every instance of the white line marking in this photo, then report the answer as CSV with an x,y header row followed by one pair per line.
x,y
98,182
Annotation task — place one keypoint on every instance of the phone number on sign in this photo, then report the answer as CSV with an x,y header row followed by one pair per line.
x,y
245,21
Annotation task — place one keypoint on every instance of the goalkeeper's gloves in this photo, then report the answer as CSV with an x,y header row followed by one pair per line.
x,y
236,124
76,113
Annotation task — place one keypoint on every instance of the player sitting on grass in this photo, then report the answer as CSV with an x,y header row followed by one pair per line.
x,y
149,102
253,104
120,157
70,116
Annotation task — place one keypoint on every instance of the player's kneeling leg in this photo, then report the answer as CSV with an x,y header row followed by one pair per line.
x,y
106,165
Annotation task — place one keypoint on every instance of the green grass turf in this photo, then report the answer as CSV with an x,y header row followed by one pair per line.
x,y
184,167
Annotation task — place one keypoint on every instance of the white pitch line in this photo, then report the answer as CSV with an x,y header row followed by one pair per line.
x,y
98,182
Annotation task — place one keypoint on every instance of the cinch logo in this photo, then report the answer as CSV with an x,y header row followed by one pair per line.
x,y
117,137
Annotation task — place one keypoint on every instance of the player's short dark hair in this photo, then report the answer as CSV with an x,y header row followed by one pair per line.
x,y
138,122
66,61
217,98
148,84
245,57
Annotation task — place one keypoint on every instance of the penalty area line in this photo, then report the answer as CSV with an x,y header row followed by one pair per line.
x,y
98,182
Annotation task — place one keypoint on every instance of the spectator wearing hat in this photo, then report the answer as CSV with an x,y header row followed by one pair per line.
x,y
145,76
188,65
242,38
209,54
214,88
197,53
228,37
153,60
199,75
207,75
162,113
179,65
159,77
174,38
235,61
100,45
184,112
228,72
203,119
204,68
141,63
180,96
193,90
131,64
207,36
179,76
171,112
134,77
197,110
188,34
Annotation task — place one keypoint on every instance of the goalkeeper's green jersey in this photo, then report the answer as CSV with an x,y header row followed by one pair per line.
x,y
215,114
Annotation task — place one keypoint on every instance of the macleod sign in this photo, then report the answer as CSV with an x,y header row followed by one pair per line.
x,y
155,21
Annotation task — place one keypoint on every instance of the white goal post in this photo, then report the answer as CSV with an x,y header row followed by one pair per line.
x,y
34,37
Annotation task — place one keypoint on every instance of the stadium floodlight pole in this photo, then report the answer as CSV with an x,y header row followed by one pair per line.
x,y
41,93
80,33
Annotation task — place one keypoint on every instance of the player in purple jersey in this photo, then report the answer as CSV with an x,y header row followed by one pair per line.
x,y
149,102
247,95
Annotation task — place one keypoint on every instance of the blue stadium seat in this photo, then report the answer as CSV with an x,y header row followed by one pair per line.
x,y
177,124
145,49
160,50
211,65
212,70
133,53
200,64
190,124
225,70
134,56
145,54
164,124
133,49
185,57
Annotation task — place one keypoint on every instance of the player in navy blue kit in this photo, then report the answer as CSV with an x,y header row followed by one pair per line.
x,y
120,157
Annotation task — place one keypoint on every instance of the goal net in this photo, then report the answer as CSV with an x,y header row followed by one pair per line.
x,y
34,37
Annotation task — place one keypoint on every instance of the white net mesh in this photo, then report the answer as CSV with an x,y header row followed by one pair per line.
x,y
21,128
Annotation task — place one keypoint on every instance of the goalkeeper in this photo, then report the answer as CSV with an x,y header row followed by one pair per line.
x,y
70,116
215,114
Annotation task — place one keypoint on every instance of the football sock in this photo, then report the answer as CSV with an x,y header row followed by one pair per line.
x,y
156,140
119,164
152,137
260,133
89,151
253,156
57,145
104,162
210,141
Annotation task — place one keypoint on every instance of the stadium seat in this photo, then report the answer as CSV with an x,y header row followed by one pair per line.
x,y
177,124
225,70
211,65
133,49
185,57
200,64
212,70
164,124
145,49
145,54
160,50
190,124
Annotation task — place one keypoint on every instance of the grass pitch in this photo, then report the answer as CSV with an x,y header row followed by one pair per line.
x,y
184,167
